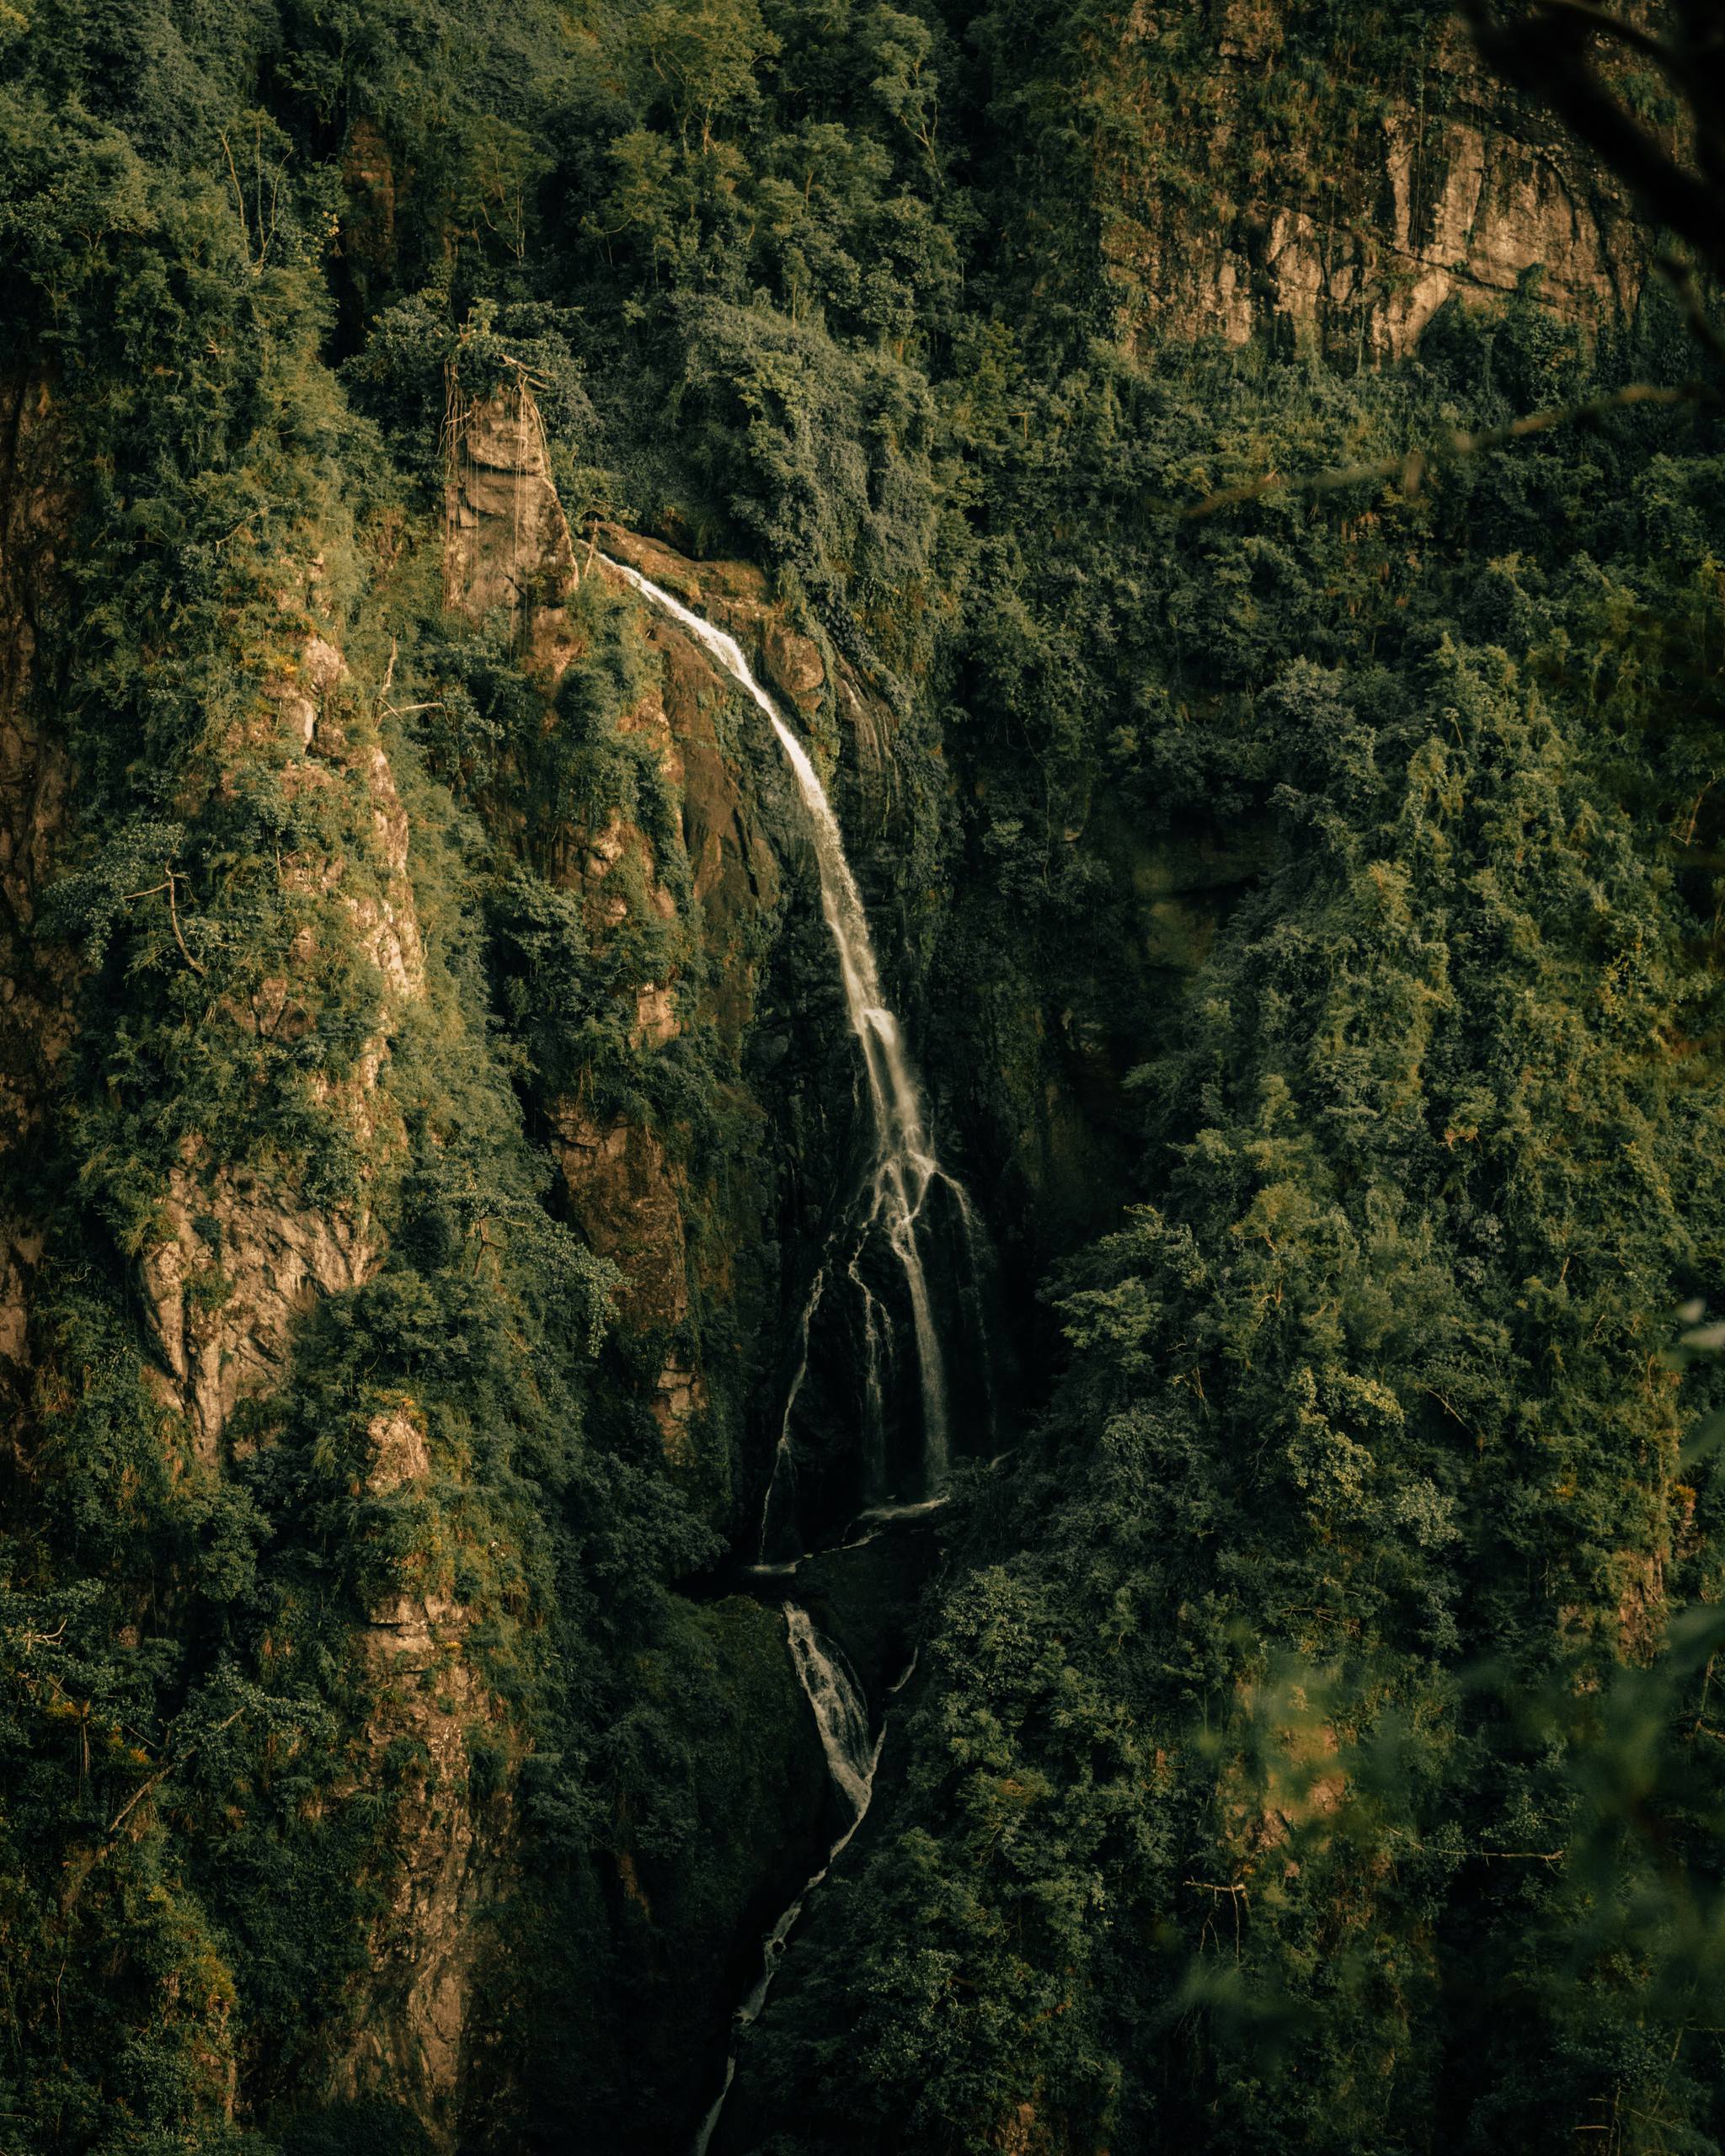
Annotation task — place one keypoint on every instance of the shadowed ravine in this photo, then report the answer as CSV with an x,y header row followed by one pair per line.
x,y
891,1204
852,1755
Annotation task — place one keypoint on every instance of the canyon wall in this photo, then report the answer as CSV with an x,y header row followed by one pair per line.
x,y
1256,176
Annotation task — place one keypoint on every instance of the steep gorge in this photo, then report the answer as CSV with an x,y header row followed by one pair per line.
x,y
664,898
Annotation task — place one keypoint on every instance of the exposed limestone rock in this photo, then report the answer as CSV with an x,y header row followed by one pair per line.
x,y
628,1202
240,1265
678,1395
242,1258
506,541
655,1017
20,1252
793,665
617,841
1642,1608
734,873
1458,190
388,922
303,695
411,2030
399,1453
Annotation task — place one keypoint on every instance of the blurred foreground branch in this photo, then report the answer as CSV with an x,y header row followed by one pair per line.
x,y
1410,469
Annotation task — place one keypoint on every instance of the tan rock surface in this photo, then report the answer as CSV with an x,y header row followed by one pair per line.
x,y
1457,189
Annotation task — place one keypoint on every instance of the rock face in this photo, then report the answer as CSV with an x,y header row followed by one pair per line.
x,y
450,1846
237,1253
242,1255
1352,215
509,552
452,1854
36,1025
508,549
506,540
242,1264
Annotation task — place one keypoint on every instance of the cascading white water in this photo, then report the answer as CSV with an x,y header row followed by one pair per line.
x,y
851,1758
904,1162
905,1170
838,1714
781,1451
876,1341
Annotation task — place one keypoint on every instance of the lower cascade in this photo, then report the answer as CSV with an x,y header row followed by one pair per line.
x,y
892,1205
852,1755
839,1713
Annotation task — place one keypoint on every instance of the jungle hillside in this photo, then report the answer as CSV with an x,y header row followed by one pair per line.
x,y
862,1123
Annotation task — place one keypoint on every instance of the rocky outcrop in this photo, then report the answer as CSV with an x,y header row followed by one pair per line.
x,y
509,551
1350,215
241,1264
36,1022
432,1710
625,1193
241,1255
506,540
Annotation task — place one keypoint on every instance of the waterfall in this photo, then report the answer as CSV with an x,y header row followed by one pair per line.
x,y
905,1163
876,1341
781,1451
890,1204
839,1713
853,1756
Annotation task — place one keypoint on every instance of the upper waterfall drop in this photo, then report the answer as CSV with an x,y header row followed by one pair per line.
x,y
904,1162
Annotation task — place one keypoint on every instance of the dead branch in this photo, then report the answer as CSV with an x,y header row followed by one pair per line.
x,y
173,874
1410,468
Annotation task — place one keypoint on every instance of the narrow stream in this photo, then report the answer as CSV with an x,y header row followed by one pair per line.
x,y
851,1757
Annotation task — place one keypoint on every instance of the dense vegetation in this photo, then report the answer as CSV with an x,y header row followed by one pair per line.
x,y
1311,1747
1278,1783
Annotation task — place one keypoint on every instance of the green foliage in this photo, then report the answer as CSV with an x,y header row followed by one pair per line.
x,y
1311,1747
1290,1776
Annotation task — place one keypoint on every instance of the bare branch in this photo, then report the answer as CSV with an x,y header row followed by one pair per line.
x,y
162,1774
174,875
1408,469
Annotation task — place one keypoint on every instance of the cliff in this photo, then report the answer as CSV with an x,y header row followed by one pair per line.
x,y
1167,1208
1333,175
